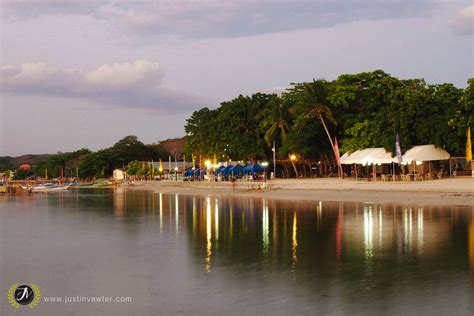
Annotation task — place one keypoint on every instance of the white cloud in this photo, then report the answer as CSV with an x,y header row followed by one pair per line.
x,y
136,84
463,22
141,72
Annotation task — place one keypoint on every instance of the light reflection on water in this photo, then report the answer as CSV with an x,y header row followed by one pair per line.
x,y
221,254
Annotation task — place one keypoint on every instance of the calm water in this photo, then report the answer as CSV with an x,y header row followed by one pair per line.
x,y
177,254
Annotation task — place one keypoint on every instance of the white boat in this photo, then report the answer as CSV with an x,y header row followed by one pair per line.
x,y
49,188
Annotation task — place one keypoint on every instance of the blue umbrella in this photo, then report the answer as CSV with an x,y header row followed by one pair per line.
x,y
227,170
254,168
220,170
237,169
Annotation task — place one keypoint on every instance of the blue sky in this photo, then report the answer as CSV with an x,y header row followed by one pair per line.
x,y
86,73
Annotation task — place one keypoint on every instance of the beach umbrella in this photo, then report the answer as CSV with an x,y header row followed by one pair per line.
x,y
237,169
255,167
227,170
220,170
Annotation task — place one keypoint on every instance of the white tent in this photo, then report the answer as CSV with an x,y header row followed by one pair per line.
x,y
425,153
368,156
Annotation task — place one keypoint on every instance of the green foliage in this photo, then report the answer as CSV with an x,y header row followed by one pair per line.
x,y
233,130
22,174
360,135
67,163
97,164
276,120
362,110
101,163
138,168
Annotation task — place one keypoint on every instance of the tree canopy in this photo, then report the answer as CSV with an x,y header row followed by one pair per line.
x,y
362,110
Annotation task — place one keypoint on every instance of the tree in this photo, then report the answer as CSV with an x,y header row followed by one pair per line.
x,y
313,103
137,168
129,148
96,164
22,174
276,118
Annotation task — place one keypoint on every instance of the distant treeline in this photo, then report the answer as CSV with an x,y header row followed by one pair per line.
x,y
360,110
88,164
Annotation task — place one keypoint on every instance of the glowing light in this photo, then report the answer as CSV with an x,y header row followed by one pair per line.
x,y
419,163
293,157
265,164
208,164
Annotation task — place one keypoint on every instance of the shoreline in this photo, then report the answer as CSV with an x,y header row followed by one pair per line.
x,y
457,191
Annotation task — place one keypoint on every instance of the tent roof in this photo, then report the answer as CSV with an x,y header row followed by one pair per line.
x,y
368,156
255,167
425,153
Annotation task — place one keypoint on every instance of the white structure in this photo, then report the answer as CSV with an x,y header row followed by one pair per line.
x,y
368,156
119,174
425,153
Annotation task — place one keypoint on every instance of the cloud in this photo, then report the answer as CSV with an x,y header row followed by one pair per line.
x,y
131,85
463,21
217,18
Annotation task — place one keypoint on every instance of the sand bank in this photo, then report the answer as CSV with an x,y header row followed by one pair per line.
x,y
458,191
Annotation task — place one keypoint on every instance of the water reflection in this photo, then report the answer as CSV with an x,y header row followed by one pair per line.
x,y
265,228
294,243
336,257
382,229
368,245
471,240
208,235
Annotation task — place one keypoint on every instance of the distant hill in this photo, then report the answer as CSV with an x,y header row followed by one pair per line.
x,y
172,145
7,162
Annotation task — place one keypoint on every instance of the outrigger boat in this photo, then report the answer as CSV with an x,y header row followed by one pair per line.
x,y
47,188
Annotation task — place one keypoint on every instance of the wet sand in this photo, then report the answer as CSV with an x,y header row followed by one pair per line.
x,y
457,191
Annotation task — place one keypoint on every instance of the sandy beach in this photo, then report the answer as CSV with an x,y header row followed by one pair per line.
x,y
457,191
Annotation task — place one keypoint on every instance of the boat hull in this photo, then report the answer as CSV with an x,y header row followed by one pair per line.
x,y
50,189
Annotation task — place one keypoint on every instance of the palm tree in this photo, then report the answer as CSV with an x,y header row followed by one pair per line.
x,y
276,121
313,103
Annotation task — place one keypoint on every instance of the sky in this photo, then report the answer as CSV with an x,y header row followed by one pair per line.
x,y
85,73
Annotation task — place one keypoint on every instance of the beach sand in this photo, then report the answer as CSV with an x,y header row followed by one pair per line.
x,y
456,191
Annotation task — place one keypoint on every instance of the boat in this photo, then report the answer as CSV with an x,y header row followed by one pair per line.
x,y
48,188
